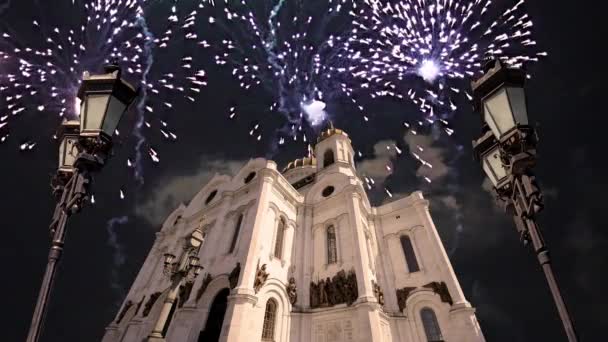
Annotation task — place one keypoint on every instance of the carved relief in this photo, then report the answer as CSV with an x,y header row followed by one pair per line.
x,y
208,278
260,278
184,293
342,288
333,331
378,293
150,303
402,295
441,289
292,291
233,278
122,313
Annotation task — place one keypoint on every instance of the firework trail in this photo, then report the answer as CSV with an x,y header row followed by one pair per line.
x,y
293,55
119,257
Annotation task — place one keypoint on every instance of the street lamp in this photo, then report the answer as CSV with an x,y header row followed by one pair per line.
x,y
184,270
84,148
507,152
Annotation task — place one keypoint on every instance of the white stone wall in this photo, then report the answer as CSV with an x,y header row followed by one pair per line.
x,y
367,242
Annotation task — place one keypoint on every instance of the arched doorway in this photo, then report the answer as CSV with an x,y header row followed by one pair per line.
x,y
215,319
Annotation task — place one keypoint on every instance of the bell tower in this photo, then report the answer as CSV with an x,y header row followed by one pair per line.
x,y
333,147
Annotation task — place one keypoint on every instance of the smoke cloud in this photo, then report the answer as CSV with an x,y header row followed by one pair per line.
x,y
172,190
118,251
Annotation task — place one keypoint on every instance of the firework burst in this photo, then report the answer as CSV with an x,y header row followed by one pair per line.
x,y
42,71
291,49
423,50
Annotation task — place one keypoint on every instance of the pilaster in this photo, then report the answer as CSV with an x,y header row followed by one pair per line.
x,y
364,280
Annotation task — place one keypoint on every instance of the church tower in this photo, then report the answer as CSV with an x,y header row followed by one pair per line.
x,y
300,256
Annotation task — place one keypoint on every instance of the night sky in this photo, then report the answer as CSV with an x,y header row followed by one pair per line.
x,y
499,276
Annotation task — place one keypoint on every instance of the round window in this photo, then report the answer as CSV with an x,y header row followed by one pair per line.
x,y
249,177
328,191
211,196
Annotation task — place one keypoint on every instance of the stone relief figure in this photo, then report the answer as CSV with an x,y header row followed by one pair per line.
x,y
322,293
378,293
292,290
233,278
352,286
184,293
340,289
150,303
260,278
124,310
402,295
314,295
441,289
338,286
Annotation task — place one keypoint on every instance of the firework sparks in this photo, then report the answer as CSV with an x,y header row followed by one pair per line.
x,y
44,74
293,56
422,50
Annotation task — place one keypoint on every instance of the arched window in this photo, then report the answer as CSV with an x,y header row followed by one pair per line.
x,y
328,158
269,319
237,229
278,244
332,251
431,326
410,256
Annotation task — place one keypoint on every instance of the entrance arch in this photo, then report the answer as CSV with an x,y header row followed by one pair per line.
x,y
213,328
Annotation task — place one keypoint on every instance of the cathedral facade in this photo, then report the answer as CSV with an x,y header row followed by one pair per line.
x,y
301,256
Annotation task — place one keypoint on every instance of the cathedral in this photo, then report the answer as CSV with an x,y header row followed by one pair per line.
x,y
298,255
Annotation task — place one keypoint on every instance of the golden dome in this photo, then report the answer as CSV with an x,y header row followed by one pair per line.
x,y
331,130
308,161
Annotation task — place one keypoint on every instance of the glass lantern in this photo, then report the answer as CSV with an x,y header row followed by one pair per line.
x,y
68,146
104,99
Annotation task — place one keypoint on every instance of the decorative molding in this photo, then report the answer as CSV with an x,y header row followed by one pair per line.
x,y
405,231
260,278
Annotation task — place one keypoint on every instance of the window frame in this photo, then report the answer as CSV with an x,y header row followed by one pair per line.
x,y
430,325
328,247
411,259
279,240
236,233
327,153
270,319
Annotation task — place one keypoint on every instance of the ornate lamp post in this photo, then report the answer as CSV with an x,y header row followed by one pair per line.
x,y
507,151
184,270
84,148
